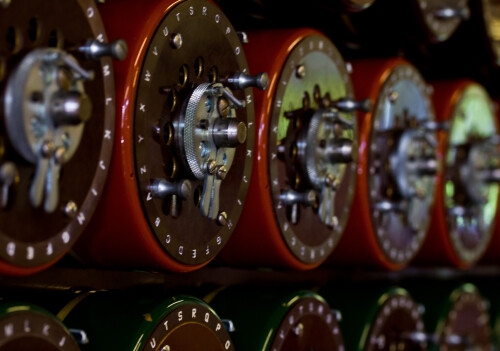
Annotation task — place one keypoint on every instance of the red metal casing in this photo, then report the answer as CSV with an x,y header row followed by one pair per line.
x,y
257,239
120,209
359,245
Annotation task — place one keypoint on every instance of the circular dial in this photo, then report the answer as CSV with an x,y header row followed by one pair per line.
x,y
57,115
471,164
189,327
312,148
397,325
193,131
309,324
467,325
28,329
402,164
442,17
491,16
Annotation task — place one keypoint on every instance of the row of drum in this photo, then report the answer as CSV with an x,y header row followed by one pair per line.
x,y
295,169
370,317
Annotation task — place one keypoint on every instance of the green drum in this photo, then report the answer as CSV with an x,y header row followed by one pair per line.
x,y
124,321
279,321
457,318
377,318
26,327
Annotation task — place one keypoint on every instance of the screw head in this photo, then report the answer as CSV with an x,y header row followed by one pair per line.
x,y
393,96
70,209
329,179
165,348
223,107
298,330
222,218
176,41
47,148
59,154
211,167
300,71
221,172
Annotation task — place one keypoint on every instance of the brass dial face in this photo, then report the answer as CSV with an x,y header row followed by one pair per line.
x,y
57,112
311,189
402,164
467,324
393,328
191,327
471,161
192,144
309,324
25,330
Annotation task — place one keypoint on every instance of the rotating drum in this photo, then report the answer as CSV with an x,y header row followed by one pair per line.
x,y
278,321
184,142
305,158
57,113
375,319
26,327
124,321
463,220
396,170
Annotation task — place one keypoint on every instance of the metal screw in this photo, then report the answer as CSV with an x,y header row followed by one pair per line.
x,y
300,71
165,348
211,166
348,67
176,41
299,329
47,148
223,107
70,209
59,154
222,218
393,96
221,172
329,179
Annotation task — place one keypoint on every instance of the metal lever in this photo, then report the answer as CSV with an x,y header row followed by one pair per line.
x,y
229,132
340,151
336,118
8,173
447,13
229,325
161,188
242,81
351,105
95,50
80,336
291,197
70,108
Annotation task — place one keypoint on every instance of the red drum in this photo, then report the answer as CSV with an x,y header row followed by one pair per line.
x,y
305,159
184,142
57,115
467,188
396,168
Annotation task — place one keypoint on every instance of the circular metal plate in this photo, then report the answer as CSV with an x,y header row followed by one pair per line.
x,y
191,327
208,52
25,329
309,239
467,323
308,325
473,121
397,318
31,237
403,102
